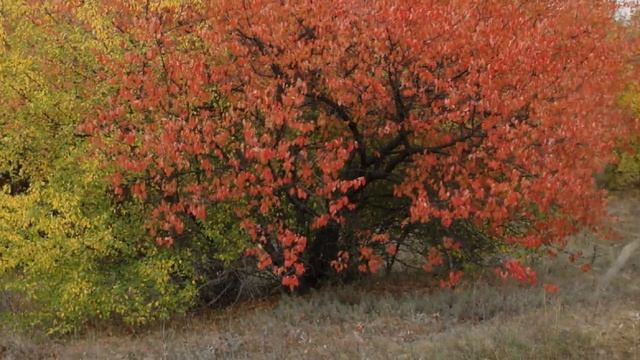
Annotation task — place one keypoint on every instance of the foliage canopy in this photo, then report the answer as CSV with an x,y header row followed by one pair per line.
x,y
307,115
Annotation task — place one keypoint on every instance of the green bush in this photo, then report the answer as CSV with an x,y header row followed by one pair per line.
x,y
71,253
626,173
71,258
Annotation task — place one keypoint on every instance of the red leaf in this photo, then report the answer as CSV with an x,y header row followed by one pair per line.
x,y
290,281
551,288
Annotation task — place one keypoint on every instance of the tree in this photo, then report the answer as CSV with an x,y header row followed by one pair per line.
x,y
308,116
69,253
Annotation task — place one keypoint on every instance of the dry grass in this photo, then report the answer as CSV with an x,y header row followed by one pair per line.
x,y
401,317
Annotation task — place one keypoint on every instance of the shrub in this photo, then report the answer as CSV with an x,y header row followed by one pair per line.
x,y
485,115
71,259
625,173
71,252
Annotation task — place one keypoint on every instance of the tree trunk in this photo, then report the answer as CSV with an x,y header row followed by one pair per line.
x,y
322,250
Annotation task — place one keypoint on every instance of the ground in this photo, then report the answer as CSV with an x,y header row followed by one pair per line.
x,y
401,317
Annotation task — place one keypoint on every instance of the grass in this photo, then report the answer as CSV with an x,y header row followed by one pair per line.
x,y
399,317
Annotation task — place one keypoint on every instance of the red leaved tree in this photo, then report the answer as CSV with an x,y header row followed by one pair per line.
x,y
311,116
